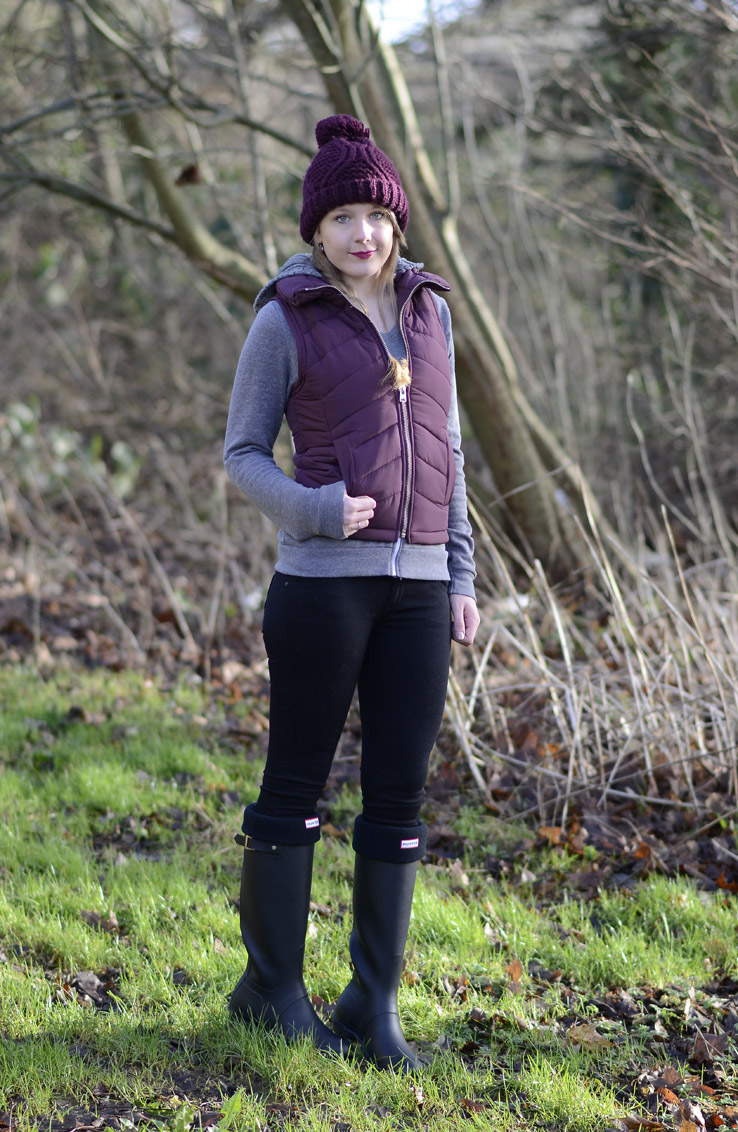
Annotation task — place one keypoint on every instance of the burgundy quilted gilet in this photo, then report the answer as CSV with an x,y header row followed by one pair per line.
x,y
348,423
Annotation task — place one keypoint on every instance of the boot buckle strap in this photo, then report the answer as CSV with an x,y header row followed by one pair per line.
x,y
253,844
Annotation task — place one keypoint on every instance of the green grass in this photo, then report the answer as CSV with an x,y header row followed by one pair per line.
x,y
117,858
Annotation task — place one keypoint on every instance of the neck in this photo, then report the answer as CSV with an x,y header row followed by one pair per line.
x,y
377,305
367,292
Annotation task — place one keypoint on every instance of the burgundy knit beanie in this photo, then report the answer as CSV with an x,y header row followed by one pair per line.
x,y
348,169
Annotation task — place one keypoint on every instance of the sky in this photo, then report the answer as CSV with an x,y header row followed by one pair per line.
x,y
397,18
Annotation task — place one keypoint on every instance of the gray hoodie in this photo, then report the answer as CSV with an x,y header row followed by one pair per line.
x,y
310,520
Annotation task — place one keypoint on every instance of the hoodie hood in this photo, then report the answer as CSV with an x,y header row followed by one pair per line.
x,y
302,264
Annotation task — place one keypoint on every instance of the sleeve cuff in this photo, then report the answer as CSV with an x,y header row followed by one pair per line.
x,y
330,509
462,583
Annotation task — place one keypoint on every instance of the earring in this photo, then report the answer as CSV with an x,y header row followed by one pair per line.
x,y
321,246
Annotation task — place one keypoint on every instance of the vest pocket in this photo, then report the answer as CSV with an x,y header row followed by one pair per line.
x,y
450,471
346,466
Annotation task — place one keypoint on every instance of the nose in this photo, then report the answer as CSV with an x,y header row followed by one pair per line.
x,y
364,230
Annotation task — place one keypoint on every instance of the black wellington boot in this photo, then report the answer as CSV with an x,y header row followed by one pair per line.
x,y
367,1009
275,902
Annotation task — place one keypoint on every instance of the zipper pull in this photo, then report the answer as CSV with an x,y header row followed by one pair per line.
x,y
403,394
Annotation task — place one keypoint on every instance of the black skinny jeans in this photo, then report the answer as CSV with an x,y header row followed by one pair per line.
x,y
325,637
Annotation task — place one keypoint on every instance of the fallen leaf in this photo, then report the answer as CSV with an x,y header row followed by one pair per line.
x,y
708,1046
514,971
624,1004
691,1116
669,1078
456,870
587,1036
102,923
543,974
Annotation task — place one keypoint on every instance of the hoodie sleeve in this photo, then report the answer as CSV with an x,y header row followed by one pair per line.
x,y
267,370
460,546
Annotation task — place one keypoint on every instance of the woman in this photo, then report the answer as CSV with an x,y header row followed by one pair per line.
x,y
353,345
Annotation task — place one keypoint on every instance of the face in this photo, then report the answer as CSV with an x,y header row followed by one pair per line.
x,y
357,239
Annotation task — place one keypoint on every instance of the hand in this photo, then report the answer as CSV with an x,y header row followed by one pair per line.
x,y
357,511
465,617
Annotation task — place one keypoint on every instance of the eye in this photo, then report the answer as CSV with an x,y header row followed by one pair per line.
x,y
341,217
378,215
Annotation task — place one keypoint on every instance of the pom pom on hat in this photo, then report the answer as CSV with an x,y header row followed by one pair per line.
x,y
348,169
340,126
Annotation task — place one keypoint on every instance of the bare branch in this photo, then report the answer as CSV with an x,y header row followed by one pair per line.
x,y
13,17
55,108
108,33
223,116
196,241
17,181
181,99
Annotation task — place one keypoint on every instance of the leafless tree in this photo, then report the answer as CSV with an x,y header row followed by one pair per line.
x,y
215,111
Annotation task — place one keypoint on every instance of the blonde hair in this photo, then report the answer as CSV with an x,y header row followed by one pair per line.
x,y
398,373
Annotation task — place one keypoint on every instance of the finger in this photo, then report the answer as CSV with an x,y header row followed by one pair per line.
x,y
471,624
356,520
355,523
358,510
457,614
466,620
354,516
360,503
